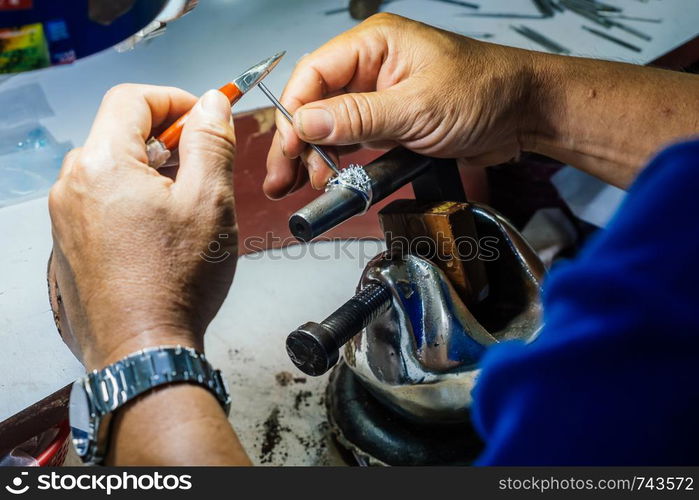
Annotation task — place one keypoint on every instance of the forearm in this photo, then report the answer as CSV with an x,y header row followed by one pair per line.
x,y
608,118
180,424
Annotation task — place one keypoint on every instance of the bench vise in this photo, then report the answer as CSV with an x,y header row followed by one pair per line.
x,y
456,278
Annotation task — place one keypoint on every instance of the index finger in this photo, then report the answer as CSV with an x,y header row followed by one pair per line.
x,y
127,115
349,62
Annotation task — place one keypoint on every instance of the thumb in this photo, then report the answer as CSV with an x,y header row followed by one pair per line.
x,y
207,146
353,118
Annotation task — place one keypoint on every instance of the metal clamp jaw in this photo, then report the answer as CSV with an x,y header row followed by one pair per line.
x,y
417,328
421,356
409,336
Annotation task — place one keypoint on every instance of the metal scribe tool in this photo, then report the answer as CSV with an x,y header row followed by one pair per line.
x,y
288,116
159,149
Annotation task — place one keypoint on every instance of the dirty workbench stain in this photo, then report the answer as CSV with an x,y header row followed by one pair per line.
x,y
273,448
285,378
278,413
272,436
301,398
273,430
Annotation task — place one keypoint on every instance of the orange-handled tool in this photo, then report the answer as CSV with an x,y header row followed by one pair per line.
x,y
159,149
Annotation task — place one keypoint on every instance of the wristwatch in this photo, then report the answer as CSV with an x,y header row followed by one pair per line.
x,y
95,397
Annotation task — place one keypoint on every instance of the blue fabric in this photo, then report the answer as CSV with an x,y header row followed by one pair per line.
x,y
613,378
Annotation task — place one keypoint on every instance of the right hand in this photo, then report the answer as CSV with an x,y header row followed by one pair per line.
x,y
393,81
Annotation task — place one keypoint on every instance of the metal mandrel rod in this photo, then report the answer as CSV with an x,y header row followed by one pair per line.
x,y
315,348
386,175
611,38
290,118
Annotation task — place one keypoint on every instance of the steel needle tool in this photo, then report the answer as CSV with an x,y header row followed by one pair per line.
x,y
288,116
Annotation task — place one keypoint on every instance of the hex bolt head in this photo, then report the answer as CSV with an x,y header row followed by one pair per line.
x,y
312,348
315,348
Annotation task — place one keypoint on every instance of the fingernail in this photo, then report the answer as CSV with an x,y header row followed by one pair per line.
x,y
282,141
325,178
313,172
265,185
315,123
215,105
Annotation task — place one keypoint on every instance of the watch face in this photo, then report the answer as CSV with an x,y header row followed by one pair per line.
x,y
80,421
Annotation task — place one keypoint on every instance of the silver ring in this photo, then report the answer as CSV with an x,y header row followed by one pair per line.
x,y
355,179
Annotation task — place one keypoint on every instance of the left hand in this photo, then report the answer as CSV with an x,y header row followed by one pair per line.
x,y
132,247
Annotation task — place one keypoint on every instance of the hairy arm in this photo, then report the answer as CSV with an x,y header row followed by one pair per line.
x,y
176,425
392,81
608,118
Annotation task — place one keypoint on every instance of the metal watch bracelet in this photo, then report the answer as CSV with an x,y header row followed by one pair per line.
x,y
99,393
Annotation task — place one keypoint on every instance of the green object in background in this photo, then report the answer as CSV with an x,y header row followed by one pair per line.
x,y
23,49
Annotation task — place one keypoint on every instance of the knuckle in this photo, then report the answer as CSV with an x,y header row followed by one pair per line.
x,y
216,140
214,205
72,156
360,115
69,161
427,109
382,18
422,112
87,161
91,165
122,90
56,198
223,198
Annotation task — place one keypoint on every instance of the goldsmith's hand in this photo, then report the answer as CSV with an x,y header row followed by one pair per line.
x,y
392,80
132,247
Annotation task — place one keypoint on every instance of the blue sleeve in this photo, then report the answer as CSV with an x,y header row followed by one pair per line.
x,y
613,379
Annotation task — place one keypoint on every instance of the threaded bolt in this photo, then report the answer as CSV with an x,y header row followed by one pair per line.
x,y
315,348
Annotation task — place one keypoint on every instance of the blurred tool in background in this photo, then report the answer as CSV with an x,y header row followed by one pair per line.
x,y
362,9
40,33
602,14
540,39
611,38
605,15
36,34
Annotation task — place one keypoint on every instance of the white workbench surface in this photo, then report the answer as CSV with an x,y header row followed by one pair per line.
x,y
269,297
